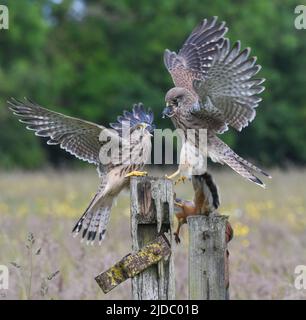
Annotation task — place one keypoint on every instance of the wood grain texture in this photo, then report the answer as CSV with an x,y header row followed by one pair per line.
x,y
151,215
207,257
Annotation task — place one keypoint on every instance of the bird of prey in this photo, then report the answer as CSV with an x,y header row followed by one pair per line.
x,y
131,135
214,88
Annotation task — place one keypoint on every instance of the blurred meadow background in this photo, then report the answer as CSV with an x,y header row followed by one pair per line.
x,y
92,59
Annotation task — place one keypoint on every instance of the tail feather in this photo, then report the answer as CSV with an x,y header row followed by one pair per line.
x,y
242,169
99,222
84,221
224,154
252,166
95,219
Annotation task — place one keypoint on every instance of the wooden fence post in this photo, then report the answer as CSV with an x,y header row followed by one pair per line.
x,y
152,214
207,257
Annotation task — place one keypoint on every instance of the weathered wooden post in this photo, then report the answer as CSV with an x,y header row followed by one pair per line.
x,y
152,214
207,257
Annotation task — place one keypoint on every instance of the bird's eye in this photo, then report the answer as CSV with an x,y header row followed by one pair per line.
x,y
175,101
138,127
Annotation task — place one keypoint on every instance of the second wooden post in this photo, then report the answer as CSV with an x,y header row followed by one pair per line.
x,y
207,257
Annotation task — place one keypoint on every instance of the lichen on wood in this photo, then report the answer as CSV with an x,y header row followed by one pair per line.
x,y
133,264
150,254
111,278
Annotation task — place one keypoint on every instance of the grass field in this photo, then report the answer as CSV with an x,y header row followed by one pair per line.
x,y
269,227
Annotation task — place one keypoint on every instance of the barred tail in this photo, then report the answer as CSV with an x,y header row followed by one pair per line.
x,y
95,219
251,166
243,170
243,167
224,154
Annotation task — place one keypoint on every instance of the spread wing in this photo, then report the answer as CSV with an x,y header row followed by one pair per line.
x,y
229,87
195,57
78,137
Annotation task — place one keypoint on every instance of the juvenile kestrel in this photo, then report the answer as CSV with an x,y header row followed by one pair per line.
x,y
214,88
83,140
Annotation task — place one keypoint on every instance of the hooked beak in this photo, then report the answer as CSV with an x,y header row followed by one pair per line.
x,y
167,112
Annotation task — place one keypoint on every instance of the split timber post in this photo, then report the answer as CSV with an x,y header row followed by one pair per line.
x,y
207,257
151,215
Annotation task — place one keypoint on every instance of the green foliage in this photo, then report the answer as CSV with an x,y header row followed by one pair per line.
x,y
92,59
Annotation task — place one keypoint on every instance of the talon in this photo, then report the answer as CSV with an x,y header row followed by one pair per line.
x,y
180,179
177,238
137,174
169,177
172,175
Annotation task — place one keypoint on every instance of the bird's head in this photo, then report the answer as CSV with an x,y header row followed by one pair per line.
x,y
141,129
175,99
139,122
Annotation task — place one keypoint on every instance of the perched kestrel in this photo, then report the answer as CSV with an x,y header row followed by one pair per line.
x,y
214,88
131,135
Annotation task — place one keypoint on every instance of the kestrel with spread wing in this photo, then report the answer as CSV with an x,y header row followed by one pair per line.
x,y
130,136
214,88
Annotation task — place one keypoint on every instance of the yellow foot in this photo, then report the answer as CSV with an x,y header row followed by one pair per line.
x,y
180,179
137,174
173,175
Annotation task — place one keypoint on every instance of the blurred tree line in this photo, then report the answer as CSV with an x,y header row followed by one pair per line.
x,y
92,59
